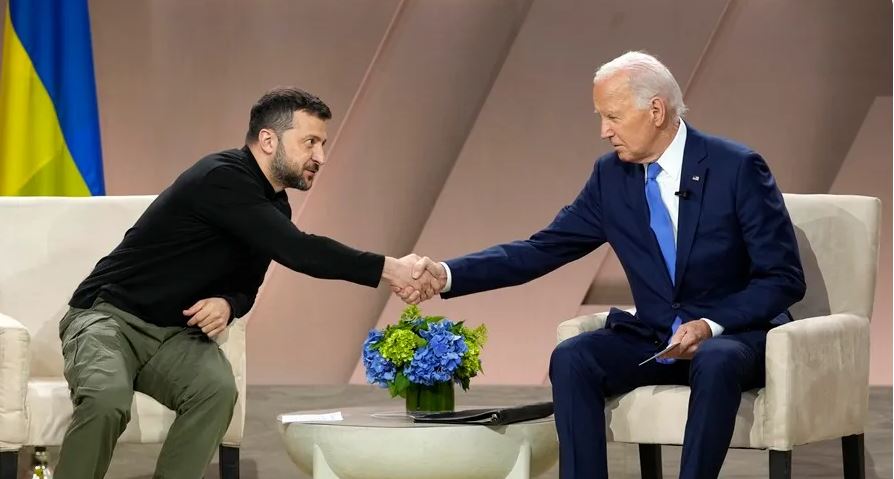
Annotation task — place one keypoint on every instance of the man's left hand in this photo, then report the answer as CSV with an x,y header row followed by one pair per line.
x,y
210,315
690,335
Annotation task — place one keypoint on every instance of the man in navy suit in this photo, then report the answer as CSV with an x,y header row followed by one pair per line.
x,y
709,251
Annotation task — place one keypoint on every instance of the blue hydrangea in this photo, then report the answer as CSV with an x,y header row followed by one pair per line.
x,y
437,361
379,370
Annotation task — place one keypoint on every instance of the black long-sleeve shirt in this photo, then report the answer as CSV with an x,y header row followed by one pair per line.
x,y
213,233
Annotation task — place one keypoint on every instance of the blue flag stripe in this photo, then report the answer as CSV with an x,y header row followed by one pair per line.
x,y
56,36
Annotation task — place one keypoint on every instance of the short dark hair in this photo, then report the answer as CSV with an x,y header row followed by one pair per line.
x,y
274,110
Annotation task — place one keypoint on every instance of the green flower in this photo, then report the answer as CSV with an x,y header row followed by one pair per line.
x,y
410,313
471,363
399,345
475,338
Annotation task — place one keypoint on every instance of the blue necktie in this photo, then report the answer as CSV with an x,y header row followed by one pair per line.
x,y
660,222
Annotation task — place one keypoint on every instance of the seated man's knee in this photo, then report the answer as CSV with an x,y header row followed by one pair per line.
x,y
568,359
110,403
719,356
228,389
220,389
563,355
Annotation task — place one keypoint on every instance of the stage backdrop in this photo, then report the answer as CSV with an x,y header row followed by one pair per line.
x,y
461,124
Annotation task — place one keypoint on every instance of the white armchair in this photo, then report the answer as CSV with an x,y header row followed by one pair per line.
x,y
47,246
817,378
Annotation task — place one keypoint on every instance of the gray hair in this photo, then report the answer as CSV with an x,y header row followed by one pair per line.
x,y
648,78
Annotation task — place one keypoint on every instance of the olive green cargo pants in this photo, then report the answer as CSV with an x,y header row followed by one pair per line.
x,y
109,354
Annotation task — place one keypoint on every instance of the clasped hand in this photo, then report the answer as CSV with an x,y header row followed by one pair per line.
x,y
415,278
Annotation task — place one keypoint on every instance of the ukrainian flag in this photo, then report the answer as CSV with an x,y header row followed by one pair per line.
x,y
49,124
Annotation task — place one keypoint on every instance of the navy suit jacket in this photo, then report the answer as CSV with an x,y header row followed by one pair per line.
x,y
737,256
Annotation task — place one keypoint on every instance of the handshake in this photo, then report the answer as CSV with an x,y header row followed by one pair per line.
x,y
414,278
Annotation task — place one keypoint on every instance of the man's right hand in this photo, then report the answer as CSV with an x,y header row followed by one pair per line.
x,y
431,273
436,269
211,315
413,287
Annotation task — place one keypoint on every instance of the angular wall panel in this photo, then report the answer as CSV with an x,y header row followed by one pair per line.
x,y
385,170
866,170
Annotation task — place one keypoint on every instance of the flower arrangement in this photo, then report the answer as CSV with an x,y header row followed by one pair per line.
x,y
422,351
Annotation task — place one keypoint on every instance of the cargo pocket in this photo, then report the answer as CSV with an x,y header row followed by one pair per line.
x,y
72,334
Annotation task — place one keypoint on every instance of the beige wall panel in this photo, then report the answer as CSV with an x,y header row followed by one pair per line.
x,y
866,170
176,79
794,80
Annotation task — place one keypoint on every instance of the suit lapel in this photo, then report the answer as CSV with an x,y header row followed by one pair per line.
x,y
636,193
692,180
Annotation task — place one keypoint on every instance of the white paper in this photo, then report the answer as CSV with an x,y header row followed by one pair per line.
x,y
659,353
326,417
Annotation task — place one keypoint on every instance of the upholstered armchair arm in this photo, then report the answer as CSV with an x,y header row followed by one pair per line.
x,y
15,364
817,380
581,324
232,343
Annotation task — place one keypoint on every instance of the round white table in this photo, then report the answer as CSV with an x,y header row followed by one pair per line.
x,y
372,443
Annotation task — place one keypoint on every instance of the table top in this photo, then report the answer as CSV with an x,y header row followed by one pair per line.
x,y
380,416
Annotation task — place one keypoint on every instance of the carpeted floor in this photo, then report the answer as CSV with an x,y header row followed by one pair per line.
x,y
263,455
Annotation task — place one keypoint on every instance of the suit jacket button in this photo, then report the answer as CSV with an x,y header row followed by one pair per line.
x,y
675,305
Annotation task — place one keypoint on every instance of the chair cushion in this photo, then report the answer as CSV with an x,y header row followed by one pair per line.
x,y
657,415
49,407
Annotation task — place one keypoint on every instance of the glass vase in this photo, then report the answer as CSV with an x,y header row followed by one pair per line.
x,y
427,399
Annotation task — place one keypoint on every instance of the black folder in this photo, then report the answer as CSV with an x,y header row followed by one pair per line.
x,y
488,417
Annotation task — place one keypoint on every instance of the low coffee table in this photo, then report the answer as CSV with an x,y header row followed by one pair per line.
x,y
375,443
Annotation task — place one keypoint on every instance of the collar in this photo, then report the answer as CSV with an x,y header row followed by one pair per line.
x,y
269,192
671,161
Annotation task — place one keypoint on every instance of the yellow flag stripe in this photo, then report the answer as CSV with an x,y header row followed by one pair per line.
x,y
34,159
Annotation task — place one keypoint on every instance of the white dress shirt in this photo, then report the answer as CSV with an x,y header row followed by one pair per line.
x,y
671,162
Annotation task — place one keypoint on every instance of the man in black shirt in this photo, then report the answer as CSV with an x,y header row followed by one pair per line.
x,y
145,317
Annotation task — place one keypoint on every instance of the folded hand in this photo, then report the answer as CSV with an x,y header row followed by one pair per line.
x,y
211,315
690,335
